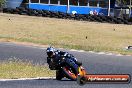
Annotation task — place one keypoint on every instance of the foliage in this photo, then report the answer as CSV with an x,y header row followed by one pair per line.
x,y
125,2
2,2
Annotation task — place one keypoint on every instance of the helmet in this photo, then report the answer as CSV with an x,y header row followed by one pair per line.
x,y
50,51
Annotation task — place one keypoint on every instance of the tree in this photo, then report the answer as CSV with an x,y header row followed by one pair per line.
x,y
2,3
125,2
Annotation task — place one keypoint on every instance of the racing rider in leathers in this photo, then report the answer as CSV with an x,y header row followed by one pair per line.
x,y
55,55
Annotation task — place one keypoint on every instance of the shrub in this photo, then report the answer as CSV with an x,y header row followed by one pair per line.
x,y
2,2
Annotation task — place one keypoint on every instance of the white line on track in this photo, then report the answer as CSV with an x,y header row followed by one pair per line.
x,y
92,52
20,79
101,53
109,54
119,55
81,51
127,55
73,50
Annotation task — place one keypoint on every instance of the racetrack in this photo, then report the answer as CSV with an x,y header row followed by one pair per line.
x,y
93,63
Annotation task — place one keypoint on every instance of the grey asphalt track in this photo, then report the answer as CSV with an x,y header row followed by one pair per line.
x,y
94,63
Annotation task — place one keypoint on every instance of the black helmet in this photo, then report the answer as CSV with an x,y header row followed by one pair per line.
x,y
50,51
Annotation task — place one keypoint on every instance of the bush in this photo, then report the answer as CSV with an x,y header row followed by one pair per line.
x,y
2,2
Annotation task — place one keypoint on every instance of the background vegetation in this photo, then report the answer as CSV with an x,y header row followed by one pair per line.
x,y
2,3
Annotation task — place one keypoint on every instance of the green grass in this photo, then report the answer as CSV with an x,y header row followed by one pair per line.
x,y
19,69
66,33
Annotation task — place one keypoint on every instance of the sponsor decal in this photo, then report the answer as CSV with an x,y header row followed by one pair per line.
x,y
104,78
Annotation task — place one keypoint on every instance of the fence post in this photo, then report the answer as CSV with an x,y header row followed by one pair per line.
x,y
130,9
109,9
68,7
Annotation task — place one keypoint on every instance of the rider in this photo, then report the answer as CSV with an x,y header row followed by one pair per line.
x,y
55,55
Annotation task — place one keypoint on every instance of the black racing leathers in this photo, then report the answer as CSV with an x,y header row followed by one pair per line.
x,y
53,61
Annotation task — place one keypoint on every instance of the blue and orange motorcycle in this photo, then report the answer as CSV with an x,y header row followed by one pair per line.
x,y
65,67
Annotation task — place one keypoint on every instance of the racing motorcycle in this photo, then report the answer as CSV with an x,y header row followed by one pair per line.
x,y
66,67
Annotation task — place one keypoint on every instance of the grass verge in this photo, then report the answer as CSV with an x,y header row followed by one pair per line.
x,y
13,69
89,36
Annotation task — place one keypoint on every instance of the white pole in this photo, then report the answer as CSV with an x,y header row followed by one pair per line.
x,y
39,1
98,3
49,2
78,2
68,7
130,8
88,3
29,1
58,2
109,9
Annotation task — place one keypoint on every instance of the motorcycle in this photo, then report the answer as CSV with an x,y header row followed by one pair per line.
x,y
66,67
